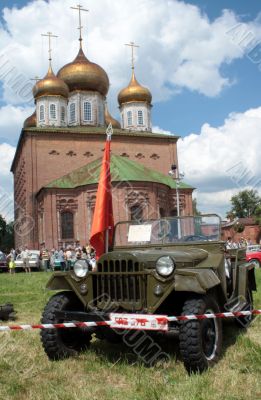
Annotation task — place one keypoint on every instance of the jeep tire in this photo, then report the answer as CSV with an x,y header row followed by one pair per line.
x,y
65,342
200,340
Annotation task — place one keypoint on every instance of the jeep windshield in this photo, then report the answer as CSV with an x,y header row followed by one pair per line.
x,y
172,230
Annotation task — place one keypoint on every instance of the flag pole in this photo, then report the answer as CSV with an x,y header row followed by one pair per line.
x,y
109,132
107,240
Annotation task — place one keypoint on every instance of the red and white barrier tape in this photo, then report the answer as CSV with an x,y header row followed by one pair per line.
x,y
132,321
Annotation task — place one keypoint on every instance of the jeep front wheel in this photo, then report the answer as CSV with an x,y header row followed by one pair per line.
x,y
65,342
200,340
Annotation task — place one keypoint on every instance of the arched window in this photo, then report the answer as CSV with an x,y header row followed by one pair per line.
x,y
140,117
87,111
63,114
67,225
52,111
72,112
129,118
136,212
41,112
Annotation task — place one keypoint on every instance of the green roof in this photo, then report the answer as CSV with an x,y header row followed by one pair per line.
x,y
122,169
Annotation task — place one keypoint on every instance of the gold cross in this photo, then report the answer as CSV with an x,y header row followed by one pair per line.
x,y
49,35
80,8
132,45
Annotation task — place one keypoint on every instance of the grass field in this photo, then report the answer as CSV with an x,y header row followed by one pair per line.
x,y
108,371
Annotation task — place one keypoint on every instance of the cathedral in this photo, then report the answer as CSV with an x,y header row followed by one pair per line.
x,y
57,161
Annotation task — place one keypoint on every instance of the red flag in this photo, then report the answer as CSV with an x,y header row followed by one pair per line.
x,y
103,213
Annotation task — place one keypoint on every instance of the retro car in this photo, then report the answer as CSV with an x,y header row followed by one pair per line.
x,y
153,269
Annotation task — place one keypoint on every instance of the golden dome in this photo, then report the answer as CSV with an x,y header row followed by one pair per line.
x,y
50,85
134,92
30,122
81,74
109,119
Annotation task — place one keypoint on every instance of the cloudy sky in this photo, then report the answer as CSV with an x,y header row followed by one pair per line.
x,y
201,60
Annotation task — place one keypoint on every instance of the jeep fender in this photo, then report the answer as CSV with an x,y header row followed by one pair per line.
x,y
246,278
195,280
59,281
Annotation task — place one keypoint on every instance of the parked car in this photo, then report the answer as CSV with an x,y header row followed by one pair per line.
x,y
253,247
254,256
3,263
19,262
34,260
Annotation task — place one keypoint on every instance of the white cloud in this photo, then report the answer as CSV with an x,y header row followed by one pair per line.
x,y
6,156
157,129
11,122
180,47
221,161
6,188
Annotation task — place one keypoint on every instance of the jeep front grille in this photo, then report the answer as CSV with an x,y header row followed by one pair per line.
x,y
119,281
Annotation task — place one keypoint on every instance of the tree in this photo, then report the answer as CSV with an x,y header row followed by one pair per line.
x,y
2,228
258,214
6,235
8,240
246,203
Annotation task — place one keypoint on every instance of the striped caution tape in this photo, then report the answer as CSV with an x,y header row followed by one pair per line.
x,y
132,321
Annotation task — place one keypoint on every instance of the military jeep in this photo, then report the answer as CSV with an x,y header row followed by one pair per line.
x,y
166,267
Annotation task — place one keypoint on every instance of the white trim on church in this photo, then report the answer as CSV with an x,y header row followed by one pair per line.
x,y
86,108
51,111
136,116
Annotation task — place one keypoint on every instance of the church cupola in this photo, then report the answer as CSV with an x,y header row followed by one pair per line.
x,y
84,75
110,120
88,85
135,104
51,97
30,122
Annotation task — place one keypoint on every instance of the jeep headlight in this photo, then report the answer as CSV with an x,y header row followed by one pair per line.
x,y
165,266
81,268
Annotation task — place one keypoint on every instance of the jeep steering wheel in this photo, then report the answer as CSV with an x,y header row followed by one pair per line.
x,y
194,238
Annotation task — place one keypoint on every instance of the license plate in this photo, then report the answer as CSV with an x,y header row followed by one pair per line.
x,y
139,321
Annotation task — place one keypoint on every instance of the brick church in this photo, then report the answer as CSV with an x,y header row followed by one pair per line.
x,y
57,162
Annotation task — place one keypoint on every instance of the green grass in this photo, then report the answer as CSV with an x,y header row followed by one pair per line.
x,y
113,371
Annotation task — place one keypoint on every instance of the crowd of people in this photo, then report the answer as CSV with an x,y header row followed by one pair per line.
x,y
241,243
62,259
65,258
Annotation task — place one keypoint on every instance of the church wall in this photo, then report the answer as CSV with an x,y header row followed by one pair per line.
x,y
47,156
152,197
56,156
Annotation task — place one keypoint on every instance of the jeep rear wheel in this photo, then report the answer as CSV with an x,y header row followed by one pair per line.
x,y
62,343
200,340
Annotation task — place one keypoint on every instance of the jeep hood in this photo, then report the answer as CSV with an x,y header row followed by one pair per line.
x,y
190,255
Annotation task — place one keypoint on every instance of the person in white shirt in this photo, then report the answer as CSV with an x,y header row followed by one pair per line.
x,y
25,255
68,258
